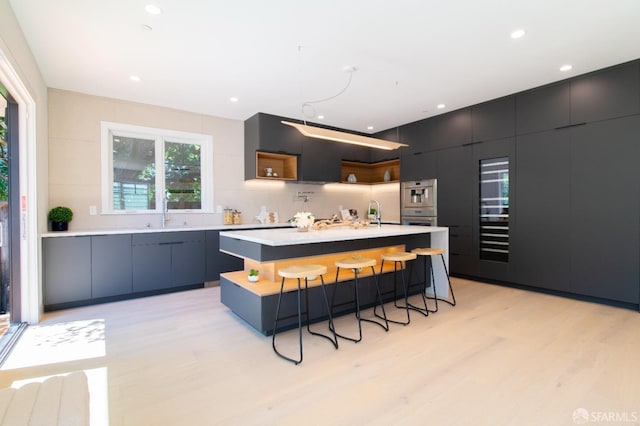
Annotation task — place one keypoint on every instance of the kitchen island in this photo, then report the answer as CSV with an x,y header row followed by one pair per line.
x,y
270,249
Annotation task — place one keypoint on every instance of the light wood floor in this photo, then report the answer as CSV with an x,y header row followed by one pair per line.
x,y
501,357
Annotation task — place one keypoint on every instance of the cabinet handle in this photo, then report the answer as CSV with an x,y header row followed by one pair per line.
x,y
171,243
570,125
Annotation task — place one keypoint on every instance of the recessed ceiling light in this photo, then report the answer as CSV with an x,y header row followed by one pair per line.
x,y
146,27
517,34
320,117
566,68
134,78
369,127
153,9
440,106
233,99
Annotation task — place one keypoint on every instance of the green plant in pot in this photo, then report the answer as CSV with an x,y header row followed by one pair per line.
x,y
60,218
254,275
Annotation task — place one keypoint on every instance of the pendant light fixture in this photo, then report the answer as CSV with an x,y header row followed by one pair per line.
x,y
335,135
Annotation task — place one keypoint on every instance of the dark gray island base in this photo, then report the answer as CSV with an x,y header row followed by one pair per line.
x,y
270,250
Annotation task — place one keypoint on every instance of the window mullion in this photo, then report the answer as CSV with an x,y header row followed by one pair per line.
x,y
160,173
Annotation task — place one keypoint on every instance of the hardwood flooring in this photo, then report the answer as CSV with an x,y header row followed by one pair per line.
x,y
503,356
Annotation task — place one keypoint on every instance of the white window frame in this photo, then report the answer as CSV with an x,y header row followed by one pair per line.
x,y
159,136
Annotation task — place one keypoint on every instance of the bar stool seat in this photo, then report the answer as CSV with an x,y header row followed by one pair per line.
x,y
299,272
356,264
429,252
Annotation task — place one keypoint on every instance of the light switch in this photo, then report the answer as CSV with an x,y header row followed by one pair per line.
x,y
218,209
92,210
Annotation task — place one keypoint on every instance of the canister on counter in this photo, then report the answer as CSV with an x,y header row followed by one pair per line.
x,y
228,216
237,217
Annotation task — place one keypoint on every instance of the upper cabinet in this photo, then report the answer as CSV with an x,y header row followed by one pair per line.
x,y
494,120
265,132
442,131
609,93
545,108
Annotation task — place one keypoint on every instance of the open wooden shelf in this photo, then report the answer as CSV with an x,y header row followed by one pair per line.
x,y
368,173
284,165
269,283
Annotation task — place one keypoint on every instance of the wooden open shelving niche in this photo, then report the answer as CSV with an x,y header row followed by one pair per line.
x,y
368,173
285,165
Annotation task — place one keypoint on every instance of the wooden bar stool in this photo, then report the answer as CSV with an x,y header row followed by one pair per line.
x,y
299,272
429,253
356,265
398,258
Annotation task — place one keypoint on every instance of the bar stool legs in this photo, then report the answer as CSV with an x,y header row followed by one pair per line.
x,y
355,265
429,253
396,261
298,272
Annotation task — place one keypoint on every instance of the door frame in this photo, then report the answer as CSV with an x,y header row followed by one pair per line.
x,y
30,294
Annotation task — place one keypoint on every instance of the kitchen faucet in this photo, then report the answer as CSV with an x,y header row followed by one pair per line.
x,y
378,213
165,210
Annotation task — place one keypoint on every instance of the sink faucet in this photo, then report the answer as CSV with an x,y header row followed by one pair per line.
x,y
378,213
165,210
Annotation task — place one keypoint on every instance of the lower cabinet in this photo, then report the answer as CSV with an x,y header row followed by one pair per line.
x,y
216,261
67,269
88,269
165,260
110,265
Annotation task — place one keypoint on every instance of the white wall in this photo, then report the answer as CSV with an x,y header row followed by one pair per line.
x,y
75,164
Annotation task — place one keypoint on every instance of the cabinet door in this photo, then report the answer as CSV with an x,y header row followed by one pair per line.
x,y
188,262
67,269
605,192
151,263
417,166
609,93
218,262
455,182
494,119
449,130
111,265
320,161
415,135
544,108
541,247
274,136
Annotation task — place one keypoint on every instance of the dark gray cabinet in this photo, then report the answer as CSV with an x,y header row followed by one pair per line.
x,y
605,209
449,130
494,119
609,93
265,132
67,269
545,108
319,162
455,182
217,262
171,259
540,244
417,166
111,265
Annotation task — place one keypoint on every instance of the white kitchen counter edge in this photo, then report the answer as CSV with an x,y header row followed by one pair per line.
x,y
90,232
290,236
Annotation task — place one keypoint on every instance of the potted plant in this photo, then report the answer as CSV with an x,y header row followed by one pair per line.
x,y
60,218
254,274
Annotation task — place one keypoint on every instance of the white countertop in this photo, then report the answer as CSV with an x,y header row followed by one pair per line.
x,y
89,232
291,236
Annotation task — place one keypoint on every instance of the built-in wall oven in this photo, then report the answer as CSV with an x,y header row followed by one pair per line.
x,y
419,202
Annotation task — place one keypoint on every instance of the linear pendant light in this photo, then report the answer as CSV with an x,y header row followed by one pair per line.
x,y
336,136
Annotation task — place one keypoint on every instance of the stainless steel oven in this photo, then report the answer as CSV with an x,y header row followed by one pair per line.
x,y
419,202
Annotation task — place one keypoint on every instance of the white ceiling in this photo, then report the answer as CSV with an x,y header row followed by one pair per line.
x,y
274,55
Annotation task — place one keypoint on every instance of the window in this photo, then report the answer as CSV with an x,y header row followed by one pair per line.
x,y
144,167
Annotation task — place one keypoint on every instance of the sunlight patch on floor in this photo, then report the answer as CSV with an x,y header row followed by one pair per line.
x,y
56,343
